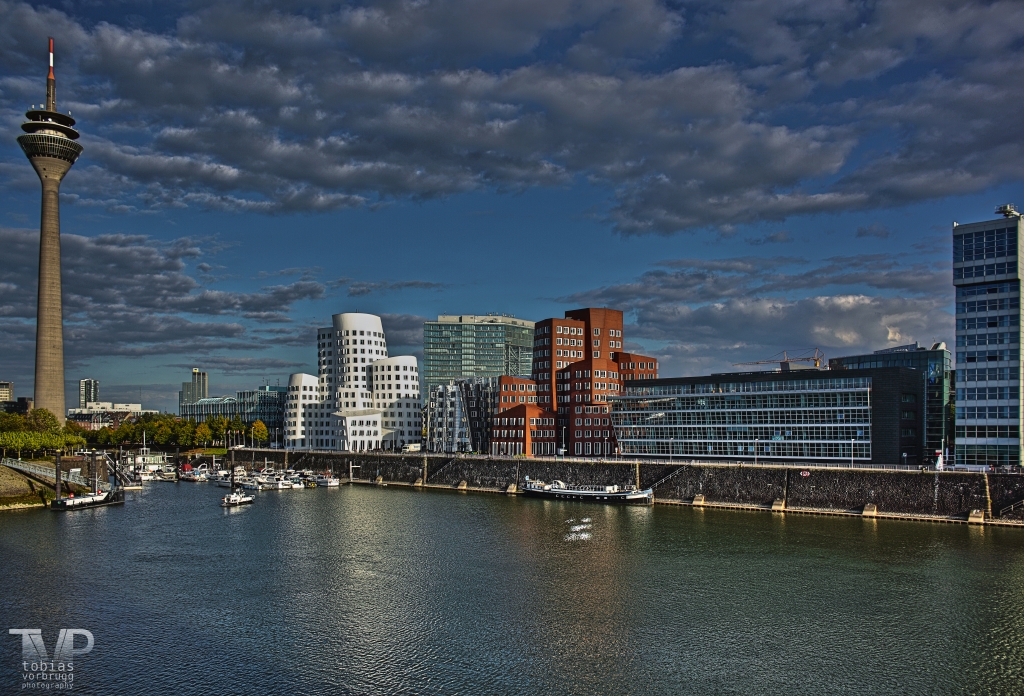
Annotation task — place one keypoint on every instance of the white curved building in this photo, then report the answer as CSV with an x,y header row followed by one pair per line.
x,y
353,384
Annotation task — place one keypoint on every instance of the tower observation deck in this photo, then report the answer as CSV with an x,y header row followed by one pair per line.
x,y
49,143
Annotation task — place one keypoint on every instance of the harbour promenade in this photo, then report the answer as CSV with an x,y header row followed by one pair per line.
x,y
897,492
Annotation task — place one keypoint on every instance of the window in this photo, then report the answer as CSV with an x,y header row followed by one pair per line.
x,y
909,398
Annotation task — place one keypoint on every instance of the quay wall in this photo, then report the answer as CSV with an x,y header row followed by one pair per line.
x,y
944,494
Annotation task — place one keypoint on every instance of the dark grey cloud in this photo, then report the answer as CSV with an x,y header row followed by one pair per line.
x,y
358,288
312,107
404,330
129,295
241,365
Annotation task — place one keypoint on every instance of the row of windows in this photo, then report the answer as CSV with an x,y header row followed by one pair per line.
x,y
750,401
989,269
788,450
988,431
986,412
766,417
987,374
988,289
988,339
988,355
985,244
988,455
987,393
993,305
794,385
752,433
987,322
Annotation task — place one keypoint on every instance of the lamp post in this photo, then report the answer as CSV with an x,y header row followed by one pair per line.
x,y
563,441
852,441
756,440
671,447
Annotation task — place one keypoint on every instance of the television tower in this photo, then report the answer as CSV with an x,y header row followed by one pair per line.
x,y
49,143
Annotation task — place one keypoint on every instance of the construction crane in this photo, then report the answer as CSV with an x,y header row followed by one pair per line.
x,y
785,362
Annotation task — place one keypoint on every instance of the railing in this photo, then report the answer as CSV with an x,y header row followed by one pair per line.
x,y
1011,507
48,472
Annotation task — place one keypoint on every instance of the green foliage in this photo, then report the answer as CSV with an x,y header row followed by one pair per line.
x,y
12,423
203,436
236,424
259,431
41,420
28,440
217,426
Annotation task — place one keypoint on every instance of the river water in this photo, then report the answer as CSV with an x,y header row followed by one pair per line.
x,y
362,590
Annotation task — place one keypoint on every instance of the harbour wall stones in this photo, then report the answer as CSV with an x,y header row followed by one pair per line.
x,y
919,493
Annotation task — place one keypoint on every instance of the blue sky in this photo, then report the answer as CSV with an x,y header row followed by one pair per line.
x,y
739,178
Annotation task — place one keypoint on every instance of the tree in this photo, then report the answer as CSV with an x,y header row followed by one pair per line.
x,y
217,425
203,434
40,420
12,423
259,432
185,433
163,434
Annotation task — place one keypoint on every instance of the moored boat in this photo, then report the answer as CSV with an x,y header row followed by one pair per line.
x,y
329,481
97,499
560,490
237,498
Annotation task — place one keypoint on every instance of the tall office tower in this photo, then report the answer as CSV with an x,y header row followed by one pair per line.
x,y
191,392
361,398
987,280
88,392
49,143
936,364
6,391
467,345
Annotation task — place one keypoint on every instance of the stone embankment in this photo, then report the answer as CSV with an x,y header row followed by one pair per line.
x,y
941,496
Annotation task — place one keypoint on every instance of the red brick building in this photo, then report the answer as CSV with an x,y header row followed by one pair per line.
x,y
524,429
578,363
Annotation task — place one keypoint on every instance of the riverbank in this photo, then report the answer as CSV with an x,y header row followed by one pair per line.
x,y
947,496
19,491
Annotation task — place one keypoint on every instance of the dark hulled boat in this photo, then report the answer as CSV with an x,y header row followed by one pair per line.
x,y
559,490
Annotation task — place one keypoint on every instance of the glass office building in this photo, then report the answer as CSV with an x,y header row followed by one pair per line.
x,y
462,346
265,404
859,415
987,281
937,365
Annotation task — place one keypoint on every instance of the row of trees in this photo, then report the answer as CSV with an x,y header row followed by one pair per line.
x,y
164,429
40,429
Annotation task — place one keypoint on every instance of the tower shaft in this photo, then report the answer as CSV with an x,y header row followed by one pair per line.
x,y
49,383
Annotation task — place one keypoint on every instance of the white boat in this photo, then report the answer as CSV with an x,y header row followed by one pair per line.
x,y
328,481
279,483
628,495
296,482
248,484
235,499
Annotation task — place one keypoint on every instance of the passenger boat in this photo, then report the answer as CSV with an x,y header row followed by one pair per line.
x,y
97,499
237,498
629,495
328,481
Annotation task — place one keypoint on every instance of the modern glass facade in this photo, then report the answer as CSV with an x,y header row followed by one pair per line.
x,y
265,404
458,414
937,366
462,346
988,397
869,415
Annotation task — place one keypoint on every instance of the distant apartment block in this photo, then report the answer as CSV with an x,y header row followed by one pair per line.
x,y
88,391
467,345
986,274
6,391
266,403
191,392
97,415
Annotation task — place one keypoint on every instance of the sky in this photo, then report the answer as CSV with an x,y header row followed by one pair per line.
x,y
739,178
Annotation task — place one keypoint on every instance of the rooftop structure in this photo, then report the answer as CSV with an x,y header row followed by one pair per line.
x,y
198,388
